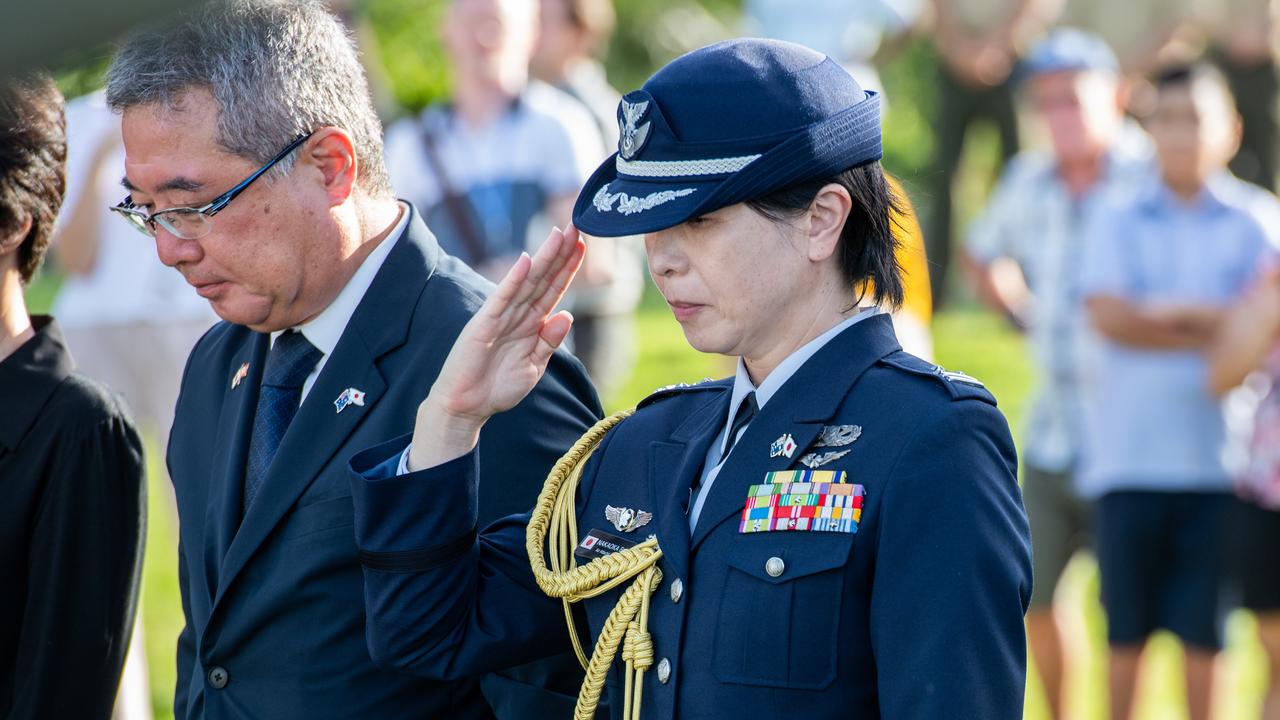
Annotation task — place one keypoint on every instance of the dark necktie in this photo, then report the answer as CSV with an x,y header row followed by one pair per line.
x,y
289,363
747,410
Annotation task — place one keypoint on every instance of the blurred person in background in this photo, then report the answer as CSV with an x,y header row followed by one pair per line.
x,y
857,34
607,290
497,166
1247,351
1023,254
1142,34
978,43
1242,37
1159,269
73,508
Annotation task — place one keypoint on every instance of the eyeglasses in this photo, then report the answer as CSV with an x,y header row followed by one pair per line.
x,y
192,223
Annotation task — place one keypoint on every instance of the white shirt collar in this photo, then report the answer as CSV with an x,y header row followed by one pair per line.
x,y
324,330
742,382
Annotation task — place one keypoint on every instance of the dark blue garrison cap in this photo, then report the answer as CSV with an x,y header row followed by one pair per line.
x,y
724,124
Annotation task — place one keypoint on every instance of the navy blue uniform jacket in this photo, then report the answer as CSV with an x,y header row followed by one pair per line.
x,y
274,605
919,615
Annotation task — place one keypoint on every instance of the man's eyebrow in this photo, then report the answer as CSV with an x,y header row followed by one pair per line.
x,y
180,184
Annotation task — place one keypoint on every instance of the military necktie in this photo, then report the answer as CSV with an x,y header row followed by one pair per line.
x,y
289,363
747,410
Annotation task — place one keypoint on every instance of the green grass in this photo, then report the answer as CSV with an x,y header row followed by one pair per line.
x,y
965,338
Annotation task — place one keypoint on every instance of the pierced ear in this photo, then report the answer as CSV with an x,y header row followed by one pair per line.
x,y
827,214
11,241
331,151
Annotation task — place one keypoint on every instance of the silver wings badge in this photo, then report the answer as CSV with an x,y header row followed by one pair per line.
x,y
632,136
626,519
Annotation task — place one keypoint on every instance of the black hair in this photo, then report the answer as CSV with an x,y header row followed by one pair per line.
x,y
1184,75
868,243
33,155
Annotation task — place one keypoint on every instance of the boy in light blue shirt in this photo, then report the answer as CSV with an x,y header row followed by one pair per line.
x,y
1159,268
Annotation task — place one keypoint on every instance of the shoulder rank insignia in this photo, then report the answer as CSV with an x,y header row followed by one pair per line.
x,y
240,375
678,388
956,376
626,519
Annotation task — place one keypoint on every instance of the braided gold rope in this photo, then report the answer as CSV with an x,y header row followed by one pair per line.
x,y
553,533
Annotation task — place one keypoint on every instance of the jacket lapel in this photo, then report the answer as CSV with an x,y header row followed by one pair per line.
x,y
235,426
674,464
801,407
379,325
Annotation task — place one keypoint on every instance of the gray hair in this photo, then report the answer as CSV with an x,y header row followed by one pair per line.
x,y
276,68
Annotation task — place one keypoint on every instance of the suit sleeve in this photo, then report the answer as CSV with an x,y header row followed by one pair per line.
x,y
84,563
953,573
442,600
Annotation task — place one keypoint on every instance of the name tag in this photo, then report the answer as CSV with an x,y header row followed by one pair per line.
x,y
599,543
804,500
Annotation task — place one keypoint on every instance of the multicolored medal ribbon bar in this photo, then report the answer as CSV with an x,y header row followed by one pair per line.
x,y
810,500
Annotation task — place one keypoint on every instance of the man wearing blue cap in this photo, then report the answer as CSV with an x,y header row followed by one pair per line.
x,y
835,531
1023,252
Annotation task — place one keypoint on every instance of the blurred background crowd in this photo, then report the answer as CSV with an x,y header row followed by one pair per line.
x,y
1089,229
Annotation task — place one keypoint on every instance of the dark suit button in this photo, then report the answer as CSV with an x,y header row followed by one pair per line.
x,y
218,677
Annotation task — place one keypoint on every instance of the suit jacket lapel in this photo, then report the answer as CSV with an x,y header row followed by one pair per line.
x,y
801,407
235,425
379,325
674,464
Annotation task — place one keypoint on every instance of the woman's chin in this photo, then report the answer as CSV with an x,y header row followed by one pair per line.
x,y
702,341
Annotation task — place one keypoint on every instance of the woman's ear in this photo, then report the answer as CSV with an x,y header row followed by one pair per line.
x,y
827,214
12,240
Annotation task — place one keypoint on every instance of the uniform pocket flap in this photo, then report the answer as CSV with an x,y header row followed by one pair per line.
x,y
778,557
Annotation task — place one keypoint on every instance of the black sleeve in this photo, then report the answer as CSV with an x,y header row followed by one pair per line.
x,y
85,562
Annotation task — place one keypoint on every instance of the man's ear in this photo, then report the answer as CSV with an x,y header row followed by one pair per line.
x,y
331,151
827,214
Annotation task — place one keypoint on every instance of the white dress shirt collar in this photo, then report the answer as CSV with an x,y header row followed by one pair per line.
x,y
324,330
742,384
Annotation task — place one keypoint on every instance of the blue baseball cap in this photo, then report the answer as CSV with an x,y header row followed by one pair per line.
x,y
724,124
1068,50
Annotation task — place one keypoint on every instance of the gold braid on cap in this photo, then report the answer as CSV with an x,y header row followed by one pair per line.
x,y
553,533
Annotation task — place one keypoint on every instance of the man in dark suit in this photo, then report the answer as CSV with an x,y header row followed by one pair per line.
x,y
339,310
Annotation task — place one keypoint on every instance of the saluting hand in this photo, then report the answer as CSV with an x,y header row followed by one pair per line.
x,y
501,353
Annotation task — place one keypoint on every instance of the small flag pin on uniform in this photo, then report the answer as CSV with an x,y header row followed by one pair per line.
x,y
785,445
350,396
241,374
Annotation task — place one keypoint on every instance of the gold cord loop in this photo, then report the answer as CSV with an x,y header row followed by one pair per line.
x,y
553,534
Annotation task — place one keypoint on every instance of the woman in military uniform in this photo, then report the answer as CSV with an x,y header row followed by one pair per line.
x,y
836,531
